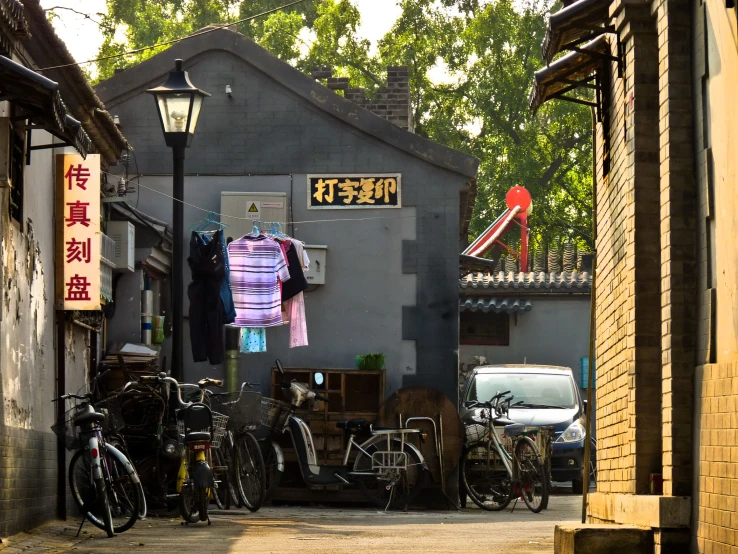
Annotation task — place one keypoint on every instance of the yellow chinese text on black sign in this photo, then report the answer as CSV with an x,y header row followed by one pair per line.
x,y
380,190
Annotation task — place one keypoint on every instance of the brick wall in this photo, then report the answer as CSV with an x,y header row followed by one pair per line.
x,y
628,302
28,478
391,102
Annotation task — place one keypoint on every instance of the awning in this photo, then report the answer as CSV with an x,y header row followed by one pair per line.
x,y
496,305
577,23
39,99
569,72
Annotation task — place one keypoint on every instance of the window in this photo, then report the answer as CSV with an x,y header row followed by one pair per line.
x,y
484,328
17,165
532,388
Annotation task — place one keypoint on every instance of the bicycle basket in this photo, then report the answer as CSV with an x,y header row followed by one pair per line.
x,y
220,422
274,413
66,431
111,407
243,410
476,432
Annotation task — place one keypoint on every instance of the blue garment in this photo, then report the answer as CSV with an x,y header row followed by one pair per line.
x,y
253,339
225,287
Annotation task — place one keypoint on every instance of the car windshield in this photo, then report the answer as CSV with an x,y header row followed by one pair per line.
x,y
539,389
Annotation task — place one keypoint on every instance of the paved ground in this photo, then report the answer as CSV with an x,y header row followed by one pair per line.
x,y
318,530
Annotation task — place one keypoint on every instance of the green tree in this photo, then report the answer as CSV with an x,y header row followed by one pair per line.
x,y
489,51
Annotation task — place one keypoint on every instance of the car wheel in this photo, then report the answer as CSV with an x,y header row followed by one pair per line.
x,y
577,486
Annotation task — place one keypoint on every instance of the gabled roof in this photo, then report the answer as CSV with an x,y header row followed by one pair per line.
x,y
47,50
565,282
150,73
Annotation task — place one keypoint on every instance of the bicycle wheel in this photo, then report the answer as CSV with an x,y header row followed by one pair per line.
x,y
393,486
89,494
118,442
485,477
123,494
272,473
250,463
531,476
189,505
220,470
203,496
228,450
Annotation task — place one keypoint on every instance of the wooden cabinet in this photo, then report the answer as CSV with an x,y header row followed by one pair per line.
x,y
352,393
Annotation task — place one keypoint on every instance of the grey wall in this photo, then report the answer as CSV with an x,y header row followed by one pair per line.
x,y
392,284
554,332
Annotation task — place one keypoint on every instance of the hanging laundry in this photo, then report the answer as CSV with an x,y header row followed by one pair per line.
x,y
206,307
226,295
301,253
297,282
298,323
253,339
256,268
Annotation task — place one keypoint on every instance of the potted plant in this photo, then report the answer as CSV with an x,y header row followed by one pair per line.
x,y
370,361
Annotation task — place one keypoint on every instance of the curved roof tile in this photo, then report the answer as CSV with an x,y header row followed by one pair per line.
x,y
565,281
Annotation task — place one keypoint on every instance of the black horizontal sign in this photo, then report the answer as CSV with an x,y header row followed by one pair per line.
x,y
380,190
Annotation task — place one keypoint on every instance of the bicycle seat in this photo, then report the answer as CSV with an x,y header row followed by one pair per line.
x,y
197,436
503,420
514,429
352,425
89,417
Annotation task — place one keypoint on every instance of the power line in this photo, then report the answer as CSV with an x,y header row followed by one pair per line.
x,y
173,41
249,219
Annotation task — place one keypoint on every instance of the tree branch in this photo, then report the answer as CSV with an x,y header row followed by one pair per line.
x,y
85,15
556,162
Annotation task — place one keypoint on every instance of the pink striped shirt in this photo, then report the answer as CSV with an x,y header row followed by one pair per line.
x,y
257,266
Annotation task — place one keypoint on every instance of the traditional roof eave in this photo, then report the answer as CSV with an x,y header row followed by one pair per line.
x,y
12,17
568,72
497,305
564,282
149,73
48,50
574,24
39,100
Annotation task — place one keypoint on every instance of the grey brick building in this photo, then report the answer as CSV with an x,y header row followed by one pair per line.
x,y
391,275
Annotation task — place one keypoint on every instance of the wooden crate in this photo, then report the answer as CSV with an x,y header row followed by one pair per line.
x,y
352,393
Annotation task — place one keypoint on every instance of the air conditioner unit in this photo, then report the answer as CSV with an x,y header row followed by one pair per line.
x,y
124,235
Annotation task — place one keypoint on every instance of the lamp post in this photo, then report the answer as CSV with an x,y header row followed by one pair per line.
x,y
178,102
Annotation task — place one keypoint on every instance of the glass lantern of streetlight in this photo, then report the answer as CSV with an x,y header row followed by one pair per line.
x,y
178,102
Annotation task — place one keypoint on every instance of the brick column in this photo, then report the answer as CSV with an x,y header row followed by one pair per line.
x,y
678,241
628,246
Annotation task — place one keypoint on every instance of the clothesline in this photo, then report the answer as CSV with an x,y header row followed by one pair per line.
x,y
291,222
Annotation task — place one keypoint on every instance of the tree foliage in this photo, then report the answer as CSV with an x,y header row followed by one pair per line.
x,y
471,65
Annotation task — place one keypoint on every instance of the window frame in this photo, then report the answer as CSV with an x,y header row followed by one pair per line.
x,y
490,341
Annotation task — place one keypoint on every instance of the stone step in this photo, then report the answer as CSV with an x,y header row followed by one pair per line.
x,y
603,539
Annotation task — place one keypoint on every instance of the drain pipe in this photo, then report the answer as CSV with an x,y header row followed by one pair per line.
x,y
592,304
232,338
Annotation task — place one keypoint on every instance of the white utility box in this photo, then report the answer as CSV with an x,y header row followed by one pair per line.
x,y
317,254
124,235
253,206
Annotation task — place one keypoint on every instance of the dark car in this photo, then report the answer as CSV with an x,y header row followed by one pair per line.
x,y
551,398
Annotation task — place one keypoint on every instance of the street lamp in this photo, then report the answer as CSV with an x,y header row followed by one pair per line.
x,y
178,102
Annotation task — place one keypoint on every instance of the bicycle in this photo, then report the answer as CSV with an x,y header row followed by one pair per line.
x,y
492,475
104,483
240,450
201,430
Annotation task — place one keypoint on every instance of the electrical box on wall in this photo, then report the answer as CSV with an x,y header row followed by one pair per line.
x,y
124,235
250,207
317,254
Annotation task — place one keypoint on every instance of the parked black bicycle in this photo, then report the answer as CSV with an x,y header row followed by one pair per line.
x,y
103,481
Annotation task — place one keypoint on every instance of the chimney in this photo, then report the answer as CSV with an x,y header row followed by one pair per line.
x,y
391,103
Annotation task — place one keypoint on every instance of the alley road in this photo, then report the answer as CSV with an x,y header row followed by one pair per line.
x,y
319,530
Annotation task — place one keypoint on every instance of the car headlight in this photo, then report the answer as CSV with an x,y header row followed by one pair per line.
x,y
574,433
